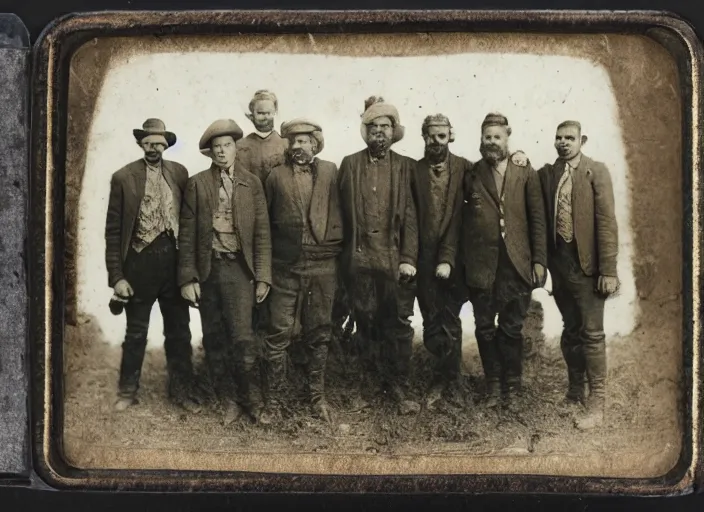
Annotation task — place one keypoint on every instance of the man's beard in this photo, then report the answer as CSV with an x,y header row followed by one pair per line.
x,y
379,145
436,153
299,156
493,153
264,126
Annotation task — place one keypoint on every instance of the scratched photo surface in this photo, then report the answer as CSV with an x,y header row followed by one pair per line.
x,y
296,376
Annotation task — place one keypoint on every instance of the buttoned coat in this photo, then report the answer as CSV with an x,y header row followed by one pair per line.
x,y
200,202
444,249
524,220
126,193
404,227
593,214
287,219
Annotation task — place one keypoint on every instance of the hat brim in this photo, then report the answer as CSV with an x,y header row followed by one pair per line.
x,y
208,137
140,134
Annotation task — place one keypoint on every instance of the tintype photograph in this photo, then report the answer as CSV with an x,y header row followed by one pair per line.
x,y
387,253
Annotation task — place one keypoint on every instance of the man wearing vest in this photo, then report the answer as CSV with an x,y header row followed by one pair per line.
x,y
582,255
225,265
141,230
437,190
504,254
381,249
306,234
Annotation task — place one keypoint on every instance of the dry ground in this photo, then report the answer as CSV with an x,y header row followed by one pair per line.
x,y
641,438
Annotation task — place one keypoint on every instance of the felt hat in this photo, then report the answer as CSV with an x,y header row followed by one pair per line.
x,y
375,107
494,119
155,131
303,126
218,129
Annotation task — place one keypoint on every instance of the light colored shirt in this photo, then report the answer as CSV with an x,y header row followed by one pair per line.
x,y
157,213
499,171
304,183
226,238
564,220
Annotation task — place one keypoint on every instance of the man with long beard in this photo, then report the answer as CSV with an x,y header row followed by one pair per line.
x,y
225,266
306,219
263,149
504,254
381,249
141,232
582,255
437,189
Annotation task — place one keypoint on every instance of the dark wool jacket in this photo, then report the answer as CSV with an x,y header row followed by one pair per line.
x,y
593,212
524,217
403,222
196,228
287,222
444,249
126,194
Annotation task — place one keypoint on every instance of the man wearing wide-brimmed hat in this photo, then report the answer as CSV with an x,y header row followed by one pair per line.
x,y
381,249
263,149
437,188
306,220
141,234
225,265
504,253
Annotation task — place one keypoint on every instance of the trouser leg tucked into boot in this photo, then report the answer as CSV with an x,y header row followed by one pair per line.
x,y
595,358
275,365
316,382
572,351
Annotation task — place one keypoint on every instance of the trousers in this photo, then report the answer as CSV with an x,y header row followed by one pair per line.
x,y
152,276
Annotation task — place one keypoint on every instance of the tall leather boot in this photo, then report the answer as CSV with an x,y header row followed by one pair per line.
x,y
275,375
595,358
179,366
133,349
316,382
576,370
511,350
491,363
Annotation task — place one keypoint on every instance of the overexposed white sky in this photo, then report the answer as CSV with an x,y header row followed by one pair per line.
x,y
190,90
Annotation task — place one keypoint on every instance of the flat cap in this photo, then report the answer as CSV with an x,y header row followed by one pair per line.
x,y
494,119
218,129
303,126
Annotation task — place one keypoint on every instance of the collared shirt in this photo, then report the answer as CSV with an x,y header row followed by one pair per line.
x,y
564,222
226,238
262,134
439,185
156,211
303,176
499,172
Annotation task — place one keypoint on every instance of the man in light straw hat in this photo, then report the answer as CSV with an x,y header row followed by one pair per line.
x,y
582,256
381,249
263,149
225,265
141,231
437,188
306,220
504,254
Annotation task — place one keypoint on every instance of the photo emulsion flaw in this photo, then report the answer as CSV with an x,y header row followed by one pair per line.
x,y
382,260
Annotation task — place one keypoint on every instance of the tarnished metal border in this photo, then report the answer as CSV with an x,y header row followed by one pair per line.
x,y
46,255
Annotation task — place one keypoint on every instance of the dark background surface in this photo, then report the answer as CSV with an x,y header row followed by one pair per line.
x,y
37,14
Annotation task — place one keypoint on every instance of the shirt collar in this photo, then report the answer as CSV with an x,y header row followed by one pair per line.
x,y
574,163
501,167
153,167
263,135
229,172
373,159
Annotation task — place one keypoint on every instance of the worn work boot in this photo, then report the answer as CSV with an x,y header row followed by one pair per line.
x,y
316,382
231,412
123,402
275,375
595,356
405,406
576,391
493,393
434,394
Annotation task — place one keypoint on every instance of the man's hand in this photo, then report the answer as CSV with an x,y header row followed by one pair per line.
x,y
443,270
191,292
519,158
123,289
539,275
406,271
262,291
608,285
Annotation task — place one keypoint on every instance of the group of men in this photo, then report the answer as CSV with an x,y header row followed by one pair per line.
x,y
277,247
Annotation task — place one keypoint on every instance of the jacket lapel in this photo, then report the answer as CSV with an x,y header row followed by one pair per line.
x,y
423,180
579,183
319,203
511,178
169,175
453,169
395,167
486,175
139,180
237,184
